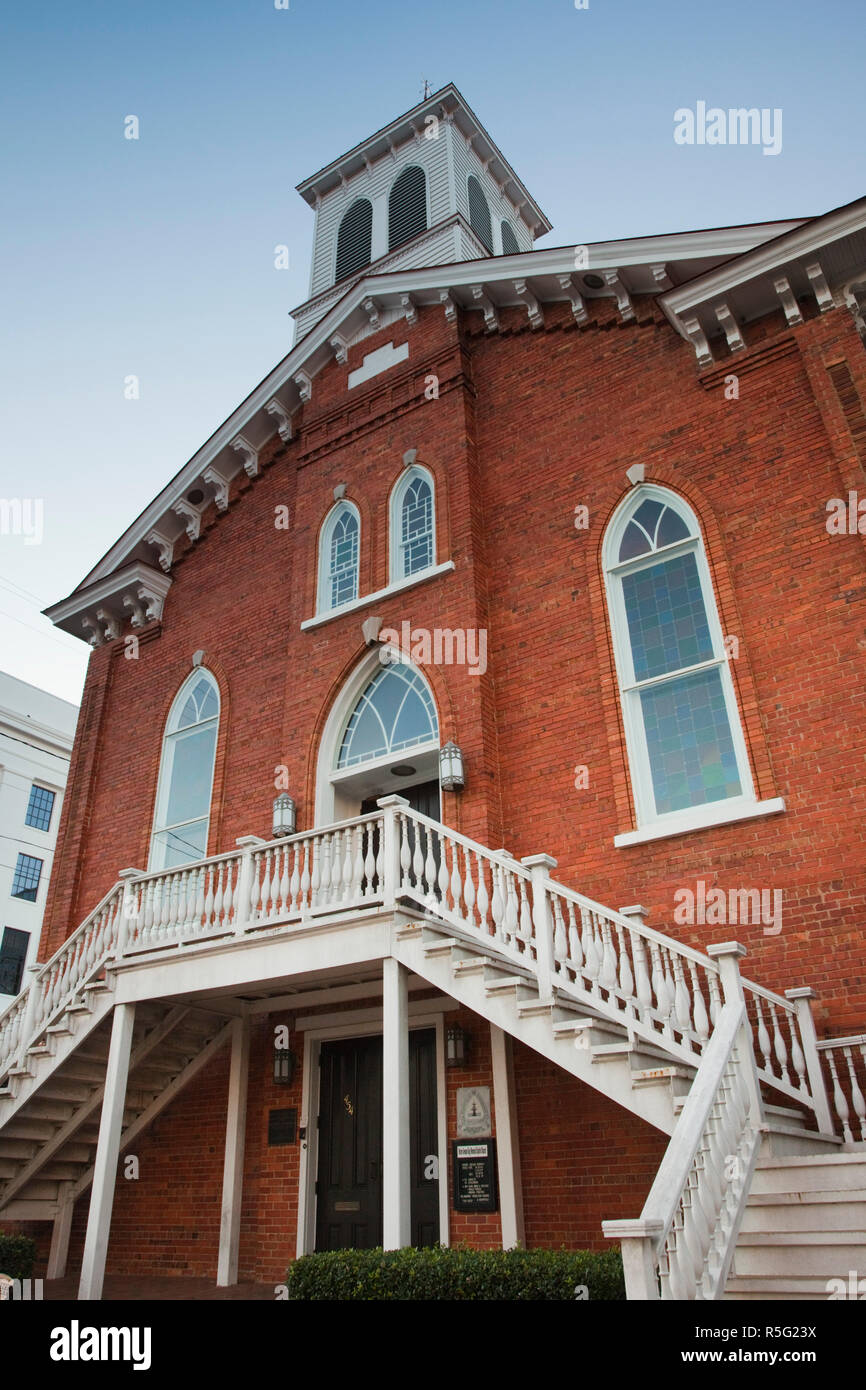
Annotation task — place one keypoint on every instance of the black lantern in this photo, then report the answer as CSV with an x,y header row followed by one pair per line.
x,y
285,1065
456,1047
284,816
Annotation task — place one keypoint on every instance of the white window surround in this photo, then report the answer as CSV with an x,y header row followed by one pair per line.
x,y
171,733
651,825
420,578
323,583
395,520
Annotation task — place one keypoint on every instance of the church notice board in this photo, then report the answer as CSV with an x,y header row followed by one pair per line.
x,y
474,1164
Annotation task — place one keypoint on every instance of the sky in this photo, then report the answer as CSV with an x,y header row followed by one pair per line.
x,y
155,257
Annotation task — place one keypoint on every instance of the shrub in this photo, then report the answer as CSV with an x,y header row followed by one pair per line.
x,y
17,1256
459,1272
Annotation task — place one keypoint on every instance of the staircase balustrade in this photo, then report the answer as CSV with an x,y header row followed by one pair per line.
x,y
845,1059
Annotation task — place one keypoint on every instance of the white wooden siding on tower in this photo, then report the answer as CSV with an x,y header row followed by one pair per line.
x,y
466,162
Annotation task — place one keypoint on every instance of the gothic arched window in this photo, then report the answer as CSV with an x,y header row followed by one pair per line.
x,y
686,747
479,214
413,524
395,711
510,245
407,206
355,239
182,815
339,549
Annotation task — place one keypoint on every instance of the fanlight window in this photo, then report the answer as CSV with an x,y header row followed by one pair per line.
x,y
395,712
407,206
338,558
412,524
510,245
682,724
479,214
355,239
186,774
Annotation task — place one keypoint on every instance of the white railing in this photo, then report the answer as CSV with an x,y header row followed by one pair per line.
x,y
54,986
655,987
681,1246
846,1066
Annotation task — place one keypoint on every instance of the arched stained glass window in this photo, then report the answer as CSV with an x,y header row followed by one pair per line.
x,y
394,712
407,206
413,541
682,724
479,214
183,795
355,239
339,549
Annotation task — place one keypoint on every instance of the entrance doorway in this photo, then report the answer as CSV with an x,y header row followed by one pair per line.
x,y
349,1175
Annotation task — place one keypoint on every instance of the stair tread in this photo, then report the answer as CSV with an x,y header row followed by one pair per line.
x,y
801,1238
822,1196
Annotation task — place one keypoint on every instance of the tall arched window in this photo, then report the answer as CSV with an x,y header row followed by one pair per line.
x,y
407,206
394,712
183,797
339,549
510,245
355,239
479,214
413,523
686,748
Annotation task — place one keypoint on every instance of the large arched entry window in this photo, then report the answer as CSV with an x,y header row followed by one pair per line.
x,y
382,736
182,814
685,743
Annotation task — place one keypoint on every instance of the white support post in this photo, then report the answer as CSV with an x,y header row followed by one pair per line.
x,y
247,843
30,1007
396,1195
507,1146
389,806
639,1242
539,866
233,1166
729,954
60,1234
800,998
107,1154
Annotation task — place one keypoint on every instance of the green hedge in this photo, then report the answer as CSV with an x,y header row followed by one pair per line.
x,y
457,1273
17,1256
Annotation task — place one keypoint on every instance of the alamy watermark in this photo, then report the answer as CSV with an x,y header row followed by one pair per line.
x,y
438,646
739,125
713,907
23,516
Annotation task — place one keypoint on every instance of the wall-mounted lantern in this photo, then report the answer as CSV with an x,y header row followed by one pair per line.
x,y
451,776
456,1046
284,816
285,1065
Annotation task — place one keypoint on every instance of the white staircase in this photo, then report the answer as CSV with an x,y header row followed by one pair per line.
x,y
731,1071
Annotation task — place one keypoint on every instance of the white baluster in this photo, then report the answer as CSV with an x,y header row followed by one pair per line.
x,y
306,880
701,1019
763,1036
348,861
644,984
626,976
839,1100
483,899
857,1098
456,879
779,1047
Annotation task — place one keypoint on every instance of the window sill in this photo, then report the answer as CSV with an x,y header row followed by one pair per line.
x,y
394,588
685,821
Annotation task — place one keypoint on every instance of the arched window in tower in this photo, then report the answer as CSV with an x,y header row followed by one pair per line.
x,y
339,550
407,206
355,239
413,525
182,815
510,246
395,712
479,214
686,747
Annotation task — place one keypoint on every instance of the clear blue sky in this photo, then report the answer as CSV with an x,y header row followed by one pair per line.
x,y
155,257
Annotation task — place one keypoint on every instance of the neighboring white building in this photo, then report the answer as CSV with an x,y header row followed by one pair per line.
x,y
36,733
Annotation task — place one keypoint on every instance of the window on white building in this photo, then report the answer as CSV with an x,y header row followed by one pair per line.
x,y
339,551
685,743
28,872
39,808
13,954
413,529
186,770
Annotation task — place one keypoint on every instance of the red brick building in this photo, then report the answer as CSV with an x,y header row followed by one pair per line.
x,y
563,548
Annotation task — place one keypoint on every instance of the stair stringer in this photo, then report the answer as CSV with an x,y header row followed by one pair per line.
x,y
22,1089
613,1078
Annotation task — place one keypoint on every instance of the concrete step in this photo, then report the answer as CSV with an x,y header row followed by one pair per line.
x,y
811,1211
768,1289
789,1141
818,1254
808,1173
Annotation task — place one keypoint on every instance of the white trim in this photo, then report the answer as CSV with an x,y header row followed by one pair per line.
x,y
649,820
377,595
324,609
699,818
395,520
356,1025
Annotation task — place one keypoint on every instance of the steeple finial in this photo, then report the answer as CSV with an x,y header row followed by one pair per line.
x,y
426,91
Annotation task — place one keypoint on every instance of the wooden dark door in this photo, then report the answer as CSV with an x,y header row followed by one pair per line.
x,y
349,1182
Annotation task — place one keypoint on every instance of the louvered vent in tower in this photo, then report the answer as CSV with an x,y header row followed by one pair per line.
x,y
479,214
509,240
355,238
407,207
